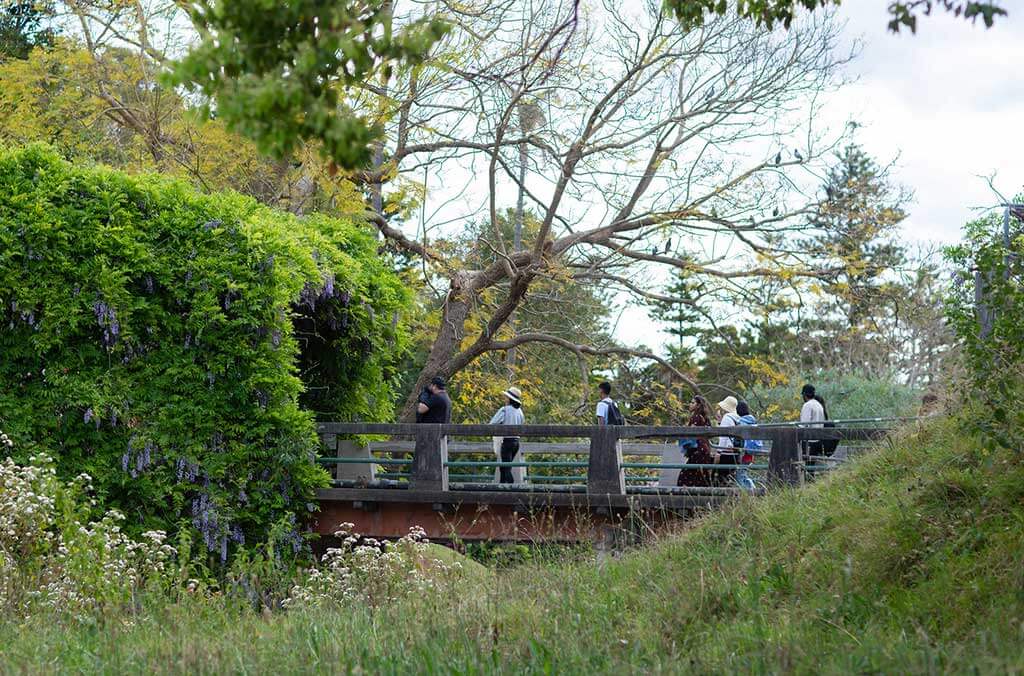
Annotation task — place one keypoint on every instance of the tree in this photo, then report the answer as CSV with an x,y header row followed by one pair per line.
x,y
858,223
152,338
550,376
679,308
23,27
769,12
646,135
97,94
984,306
279,76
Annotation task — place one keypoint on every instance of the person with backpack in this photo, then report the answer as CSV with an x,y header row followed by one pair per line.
x,y
727,452
607,410
510,414
749,446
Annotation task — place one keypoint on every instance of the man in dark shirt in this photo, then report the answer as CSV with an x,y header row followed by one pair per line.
x,y
434,405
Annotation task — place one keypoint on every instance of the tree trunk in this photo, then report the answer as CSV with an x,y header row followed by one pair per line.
x,y
449,338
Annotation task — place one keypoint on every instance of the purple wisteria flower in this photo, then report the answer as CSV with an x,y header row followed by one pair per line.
x,y
186,470
106,318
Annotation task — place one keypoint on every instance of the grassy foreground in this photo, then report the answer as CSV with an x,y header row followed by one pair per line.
x,y
911,560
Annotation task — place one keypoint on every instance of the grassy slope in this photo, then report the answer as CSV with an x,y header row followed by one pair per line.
x,y
910,561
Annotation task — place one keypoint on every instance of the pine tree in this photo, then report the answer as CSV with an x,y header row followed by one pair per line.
x,y
859,222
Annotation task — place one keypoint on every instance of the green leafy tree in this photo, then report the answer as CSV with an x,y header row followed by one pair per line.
x,y
23,27
770,12
985,306
278,71
153,338
678,308
858,222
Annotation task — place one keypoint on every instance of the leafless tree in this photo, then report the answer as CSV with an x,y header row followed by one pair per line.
x,y
659,147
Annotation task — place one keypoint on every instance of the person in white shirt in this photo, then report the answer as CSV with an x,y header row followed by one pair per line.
x,y
510,414
604,406
727,418
812,411
724,454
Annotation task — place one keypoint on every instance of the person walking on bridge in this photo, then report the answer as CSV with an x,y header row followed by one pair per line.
x,y
697,451
510,414
607,410
814,414
434,405
727,453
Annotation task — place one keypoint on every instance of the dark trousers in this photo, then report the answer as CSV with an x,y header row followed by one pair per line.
x,y
723,475
509,449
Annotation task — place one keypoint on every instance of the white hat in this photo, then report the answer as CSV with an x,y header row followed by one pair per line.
x,y
728,404
514,394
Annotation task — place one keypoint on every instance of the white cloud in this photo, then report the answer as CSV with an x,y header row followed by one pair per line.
x,y
947,104
948,101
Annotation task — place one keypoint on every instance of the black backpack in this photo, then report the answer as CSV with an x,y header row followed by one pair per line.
x,y
614,416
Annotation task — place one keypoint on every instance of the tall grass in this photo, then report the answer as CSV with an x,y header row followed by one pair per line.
x,y
908,561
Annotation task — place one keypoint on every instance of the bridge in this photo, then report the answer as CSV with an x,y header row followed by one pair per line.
x,y
589,481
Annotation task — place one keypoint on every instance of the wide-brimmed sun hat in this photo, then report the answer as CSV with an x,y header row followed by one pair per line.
x,y
728,404
514,394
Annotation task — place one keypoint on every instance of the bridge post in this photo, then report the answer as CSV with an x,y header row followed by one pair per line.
x,y
783,464
604,472
348,448
429,460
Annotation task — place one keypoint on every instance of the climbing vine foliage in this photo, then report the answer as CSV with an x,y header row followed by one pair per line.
x,y
152,338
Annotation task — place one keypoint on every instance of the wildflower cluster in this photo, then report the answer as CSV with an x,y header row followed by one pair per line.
x,y
365,570
53,558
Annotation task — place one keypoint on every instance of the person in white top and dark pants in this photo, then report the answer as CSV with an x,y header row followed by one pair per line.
x,y
510,414
812,414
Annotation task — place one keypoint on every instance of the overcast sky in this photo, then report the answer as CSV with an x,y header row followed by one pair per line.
x,y
947,104
949,101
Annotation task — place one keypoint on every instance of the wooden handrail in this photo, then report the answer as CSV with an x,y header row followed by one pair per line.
x,y
429,470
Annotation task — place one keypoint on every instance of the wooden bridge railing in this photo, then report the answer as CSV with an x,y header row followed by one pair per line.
x,y
605,472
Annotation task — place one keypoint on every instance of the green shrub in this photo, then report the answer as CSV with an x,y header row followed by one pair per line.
x,y
153,338
985,307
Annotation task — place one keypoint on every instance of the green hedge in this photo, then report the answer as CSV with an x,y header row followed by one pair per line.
x,y
152,337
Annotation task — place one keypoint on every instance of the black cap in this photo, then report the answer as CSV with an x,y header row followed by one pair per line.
x,y
438,381
808,390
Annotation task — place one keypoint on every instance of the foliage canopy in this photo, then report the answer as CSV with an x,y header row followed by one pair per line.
x,y
277,70
985,306
152,337
770,12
